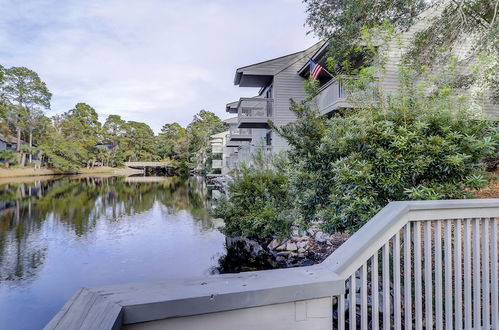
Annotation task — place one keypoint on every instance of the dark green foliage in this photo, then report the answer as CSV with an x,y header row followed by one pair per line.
x,y
258,196
341,22
413,147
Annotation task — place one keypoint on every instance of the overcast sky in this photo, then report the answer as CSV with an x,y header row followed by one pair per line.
x,y
154,61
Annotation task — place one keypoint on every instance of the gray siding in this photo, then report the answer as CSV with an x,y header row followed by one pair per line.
x,y
389,78
287,85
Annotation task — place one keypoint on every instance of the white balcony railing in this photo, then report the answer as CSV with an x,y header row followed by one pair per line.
x,y
217,149
240,134
334,95
254,112
331,96
217,163
415,265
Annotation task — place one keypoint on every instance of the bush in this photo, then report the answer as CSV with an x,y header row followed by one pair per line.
x,y
408,148
258,198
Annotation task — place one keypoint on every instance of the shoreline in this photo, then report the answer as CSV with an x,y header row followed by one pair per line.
x,y
27,172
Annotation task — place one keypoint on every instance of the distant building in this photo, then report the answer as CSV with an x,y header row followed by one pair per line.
x,y
8,142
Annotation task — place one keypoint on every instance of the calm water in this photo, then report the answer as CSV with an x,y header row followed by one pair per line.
x,y
57,235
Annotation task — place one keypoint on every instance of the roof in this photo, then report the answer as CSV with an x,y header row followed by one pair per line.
x,y
219,135
315,57
260,74
232,120
232,107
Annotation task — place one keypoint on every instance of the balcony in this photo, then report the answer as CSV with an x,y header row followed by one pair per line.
x,y
232,144
217,149
333,96
240,134
254,112
217,163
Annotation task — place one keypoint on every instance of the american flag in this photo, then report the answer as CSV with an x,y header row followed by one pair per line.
x,y
315,69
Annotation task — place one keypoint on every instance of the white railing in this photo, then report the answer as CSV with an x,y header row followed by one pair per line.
x,y
422,265
433,268
217,149
234,131
334,94
255,107
330,96
217,163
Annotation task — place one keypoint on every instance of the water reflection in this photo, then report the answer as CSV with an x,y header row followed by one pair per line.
x,y
78,204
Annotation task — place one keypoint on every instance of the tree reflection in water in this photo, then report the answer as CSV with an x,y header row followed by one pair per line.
x,y
78,203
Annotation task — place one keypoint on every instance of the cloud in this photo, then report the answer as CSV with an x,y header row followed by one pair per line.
x,y
151,61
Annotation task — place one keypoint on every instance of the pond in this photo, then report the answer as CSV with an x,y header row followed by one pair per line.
x,y
60,234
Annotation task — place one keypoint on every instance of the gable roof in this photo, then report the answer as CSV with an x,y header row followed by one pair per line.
x,y
260,74
319,53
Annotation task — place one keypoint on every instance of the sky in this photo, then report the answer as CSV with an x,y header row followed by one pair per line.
x,y
153,61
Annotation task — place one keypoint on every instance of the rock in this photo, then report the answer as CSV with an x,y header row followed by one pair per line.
x,y
302,244
311,232
291,246
274,244
281,247
319,239
301,250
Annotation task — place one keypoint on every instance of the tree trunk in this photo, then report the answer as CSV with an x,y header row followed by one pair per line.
x,y
18,138
30,145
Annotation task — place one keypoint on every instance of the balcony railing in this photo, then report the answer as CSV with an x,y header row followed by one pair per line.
x,y
240,134
254,112
334,95
217,149
217,163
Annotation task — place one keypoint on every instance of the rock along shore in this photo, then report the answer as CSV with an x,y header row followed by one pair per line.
x,y
301,249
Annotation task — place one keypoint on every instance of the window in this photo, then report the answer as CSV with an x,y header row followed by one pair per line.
x,y
268,138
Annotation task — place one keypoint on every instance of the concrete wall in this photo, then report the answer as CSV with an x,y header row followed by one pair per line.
x,y
300,315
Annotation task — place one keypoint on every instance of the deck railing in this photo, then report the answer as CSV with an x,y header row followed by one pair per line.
x,y
433,268
334,95
217,163
255,107
217,149
430,264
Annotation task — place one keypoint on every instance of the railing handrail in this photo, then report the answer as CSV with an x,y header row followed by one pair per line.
x,y
377,231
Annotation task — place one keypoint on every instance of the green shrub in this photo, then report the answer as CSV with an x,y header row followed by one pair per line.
x,y
411,147
258,198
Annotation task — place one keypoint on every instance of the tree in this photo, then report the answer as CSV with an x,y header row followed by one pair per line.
x,y
407,146
24,93
141,142
34,120
114,128
341,23
457,22
168,140
8,156
203,125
